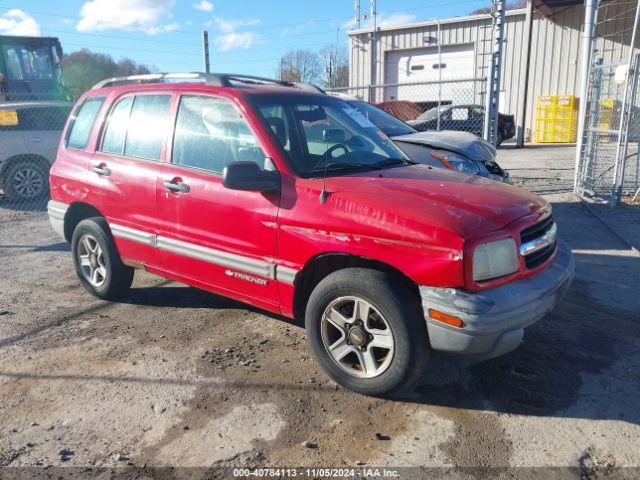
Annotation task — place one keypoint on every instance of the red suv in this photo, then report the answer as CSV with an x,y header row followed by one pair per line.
x,y
294,202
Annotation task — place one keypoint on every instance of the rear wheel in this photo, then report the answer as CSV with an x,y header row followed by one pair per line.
x,y
499,138
367,331
26,180
98,264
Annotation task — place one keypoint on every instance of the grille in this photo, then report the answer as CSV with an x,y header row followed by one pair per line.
x,y
537,230
537,258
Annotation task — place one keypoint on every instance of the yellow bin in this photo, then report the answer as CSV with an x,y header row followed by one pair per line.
x,y
556,119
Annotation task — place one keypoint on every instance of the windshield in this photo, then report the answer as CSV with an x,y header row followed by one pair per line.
x,y
322,132
389,124
28,63
431,114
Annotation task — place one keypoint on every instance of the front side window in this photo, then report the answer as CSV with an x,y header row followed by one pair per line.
x,y
210,133
460,113
331,134
82,122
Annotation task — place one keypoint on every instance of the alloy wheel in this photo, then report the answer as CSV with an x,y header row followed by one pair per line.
x,y
357,337
91,260
28,182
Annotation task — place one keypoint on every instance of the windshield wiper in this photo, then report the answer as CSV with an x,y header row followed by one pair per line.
x,y
392,162
342,166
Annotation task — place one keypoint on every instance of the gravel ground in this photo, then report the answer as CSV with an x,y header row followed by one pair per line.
x,y
173,376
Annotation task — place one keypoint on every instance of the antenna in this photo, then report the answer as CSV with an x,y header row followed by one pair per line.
x,y
356,8
324,194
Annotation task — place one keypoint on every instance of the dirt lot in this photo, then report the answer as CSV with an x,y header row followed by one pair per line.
x,y
173,376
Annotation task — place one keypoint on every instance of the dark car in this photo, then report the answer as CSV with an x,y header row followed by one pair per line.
x,y
463,118
459,151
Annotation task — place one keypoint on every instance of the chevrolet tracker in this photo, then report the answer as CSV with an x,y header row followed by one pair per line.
x,y
294,202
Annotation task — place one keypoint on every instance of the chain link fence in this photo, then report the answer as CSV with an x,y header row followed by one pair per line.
x,y
609,163
29,136
454,104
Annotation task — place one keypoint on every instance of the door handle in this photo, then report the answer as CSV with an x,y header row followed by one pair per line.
x,y
35,140
176,185
101,169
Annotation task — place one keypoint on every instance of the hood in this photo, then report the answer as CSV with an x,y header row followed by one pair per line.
x,y
408,200
463,143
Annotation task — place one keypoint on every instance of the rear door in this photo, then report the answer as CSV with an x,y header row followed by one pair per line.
x,y
219,238
125,169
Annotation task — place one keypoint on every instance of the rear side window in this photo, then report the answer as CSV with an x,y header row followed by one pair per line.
x,y
116,131
136,126
82,121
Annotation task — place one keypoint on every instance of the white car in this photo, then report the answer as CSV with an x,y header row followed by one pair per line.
x,y
29,138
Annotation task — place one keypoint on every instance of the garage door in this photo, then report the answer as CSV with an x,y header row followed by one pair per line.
x,y
423,65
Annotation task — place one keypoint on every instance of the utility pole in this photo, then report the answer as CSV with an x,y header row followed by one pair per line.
x,y
524,90
586,49
493,75
205,51
374,49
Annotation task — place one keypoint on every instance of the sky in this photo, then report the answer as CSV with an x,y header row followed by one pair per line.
x,y
246,36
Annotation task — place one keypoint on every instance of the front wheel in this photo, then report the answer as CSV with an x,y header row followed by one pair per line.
x,y
367,332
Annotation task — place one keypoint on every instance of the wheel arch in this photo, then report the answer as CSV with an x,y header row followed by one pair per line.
x,y
7,163
324,264
77,212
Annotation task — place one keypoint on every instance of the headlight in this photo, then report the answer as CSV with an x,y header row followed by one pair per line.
x,y
494,259
456,162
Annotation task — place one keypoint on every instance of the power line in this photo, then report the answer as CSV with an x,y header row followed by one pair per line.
x,y
129,49
255,28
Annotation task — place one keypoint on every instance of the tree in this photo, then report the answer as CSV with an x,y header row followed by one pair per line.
x,y
83,69
300,66
335,63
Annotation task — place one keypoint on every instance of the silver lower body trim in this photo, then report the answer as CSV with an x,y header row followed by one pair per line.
x,y
216,257
133,235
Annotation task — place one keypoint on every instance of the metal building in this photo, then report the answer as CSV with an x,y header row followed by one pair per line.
x,y
392,62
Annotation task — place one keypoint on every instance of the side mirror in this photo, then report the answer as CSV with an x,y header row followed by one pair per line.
x,y
249,176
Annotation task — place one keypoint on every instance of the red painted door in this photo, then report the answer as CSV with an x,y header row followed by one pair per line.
x,y
124,172
224,239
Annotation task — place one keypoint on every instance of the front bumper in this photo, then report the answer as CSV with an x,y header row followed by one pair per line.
x,y
494,320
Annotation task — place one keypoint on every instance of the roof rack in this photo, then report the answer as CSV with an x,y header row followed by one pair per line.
x,y
214,79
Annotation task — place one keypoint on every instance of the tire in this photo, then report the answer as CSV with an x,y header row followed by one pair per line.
x,y
394,312
94,253
499,138
26,180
